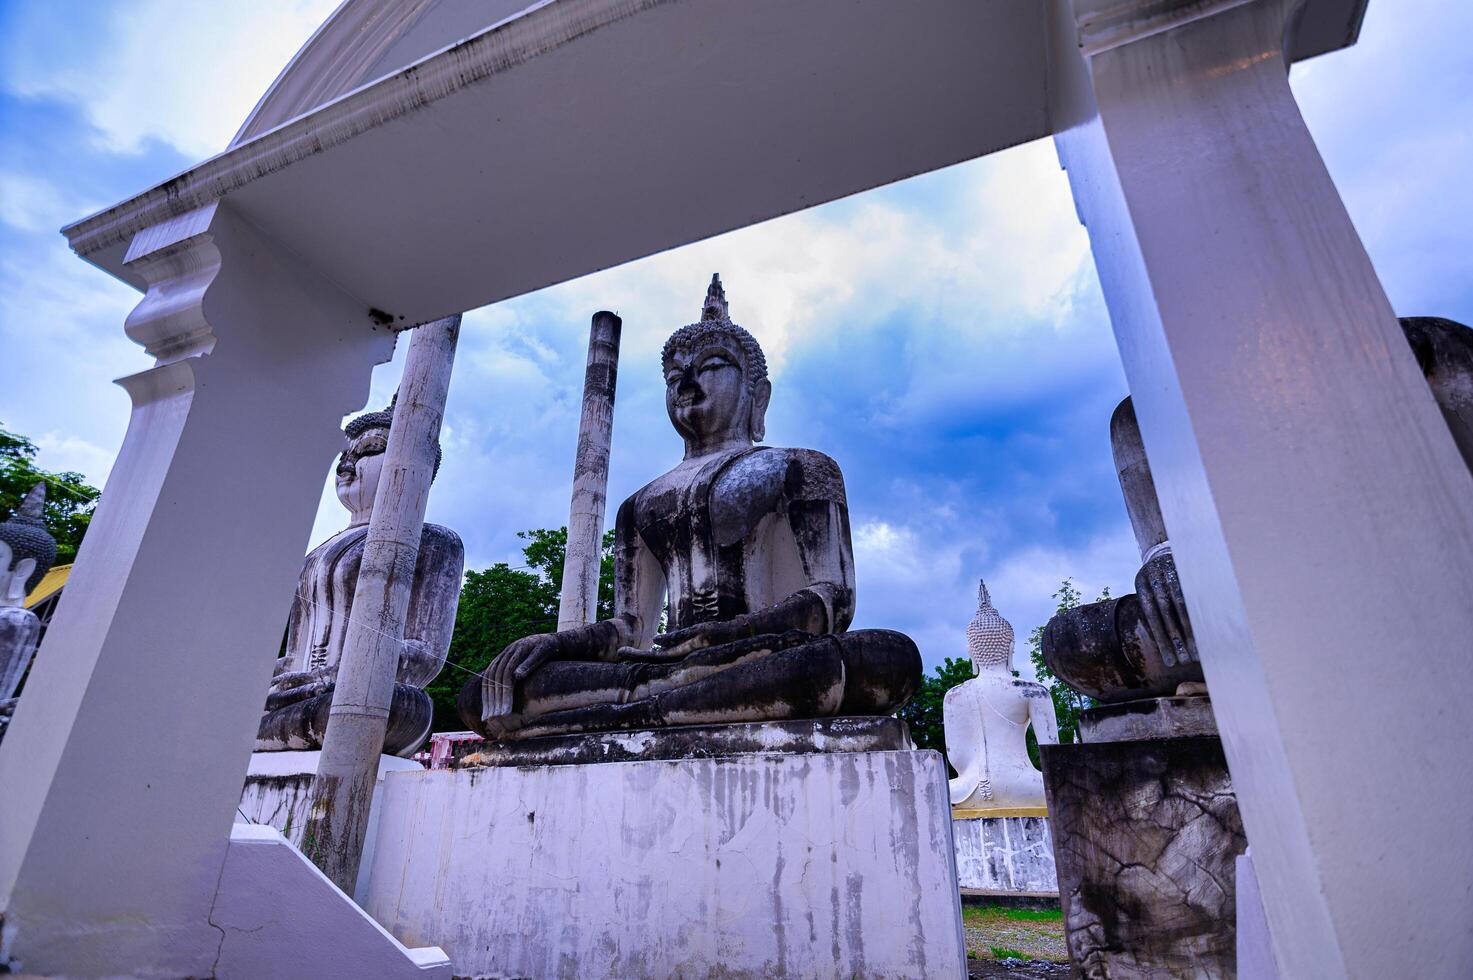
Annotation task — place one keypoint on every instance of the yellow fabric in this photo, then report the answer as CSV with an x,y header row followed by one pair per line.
x,y
49,585
957,813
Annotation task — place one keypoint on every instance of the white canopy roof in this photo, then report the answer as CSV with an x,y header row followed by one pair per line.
x,y
521,148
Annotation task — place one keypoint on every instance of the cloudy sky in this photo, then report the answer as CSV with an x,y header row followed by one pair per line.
x,y
943,338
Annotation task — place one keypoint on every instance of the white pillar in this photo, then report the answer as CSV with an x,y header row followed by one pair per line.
x,y
124,763
583,559
1321,516
348,770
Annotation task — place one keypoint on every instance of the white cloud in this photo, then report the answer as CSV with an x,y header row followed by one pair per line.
x,y
179,70
62,452
924,581
30,203
1393,119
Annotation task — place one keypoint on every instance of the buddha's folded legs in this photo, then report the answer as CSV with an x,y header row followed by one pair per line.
x,y
882,671
301,725
765,678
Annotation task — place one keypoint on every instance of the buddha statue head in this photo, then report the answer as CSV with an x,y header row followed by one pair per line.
x,y
362,462
989,637
30,548
716,387
1444,351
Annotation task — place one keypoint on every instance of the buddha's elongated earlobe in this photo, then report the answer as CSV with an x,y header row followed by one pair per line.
x,y
761,395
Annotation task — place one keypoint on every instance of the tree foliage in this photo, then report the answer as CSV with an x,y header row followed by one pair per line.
x,y
505,603
69,500
922,713
1068,703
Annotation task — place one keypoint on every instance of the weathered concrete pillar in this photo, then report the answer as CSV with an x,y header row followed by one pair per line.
x,y
1321,517
342,790
123,766
581,564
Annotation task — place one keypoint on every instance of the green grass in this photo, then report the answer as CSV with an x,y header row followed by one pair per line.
x,y
983,912
1001,933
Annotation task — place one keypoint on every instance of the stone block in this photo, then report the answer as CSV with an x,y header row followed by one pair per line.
x,y
1146,834
1126,721
1005,855
843,734
769,865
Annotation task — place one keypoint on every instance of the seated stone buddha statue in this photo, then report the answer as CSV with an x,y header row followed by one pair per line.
x,y
751,547
301,690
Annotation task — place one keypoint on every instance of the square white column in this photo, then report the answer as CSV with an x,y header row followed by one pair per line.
x,y
123,767
1321,516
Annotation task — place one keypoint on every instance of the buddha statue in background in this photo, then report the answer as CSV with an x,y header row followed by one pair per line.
x,y
751,547
27,552
1138,645
1141,645
300,695
1444,351
987,719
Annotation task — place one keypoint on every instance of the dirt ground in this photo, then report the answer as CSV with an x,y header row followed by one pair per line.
x,y
1019,943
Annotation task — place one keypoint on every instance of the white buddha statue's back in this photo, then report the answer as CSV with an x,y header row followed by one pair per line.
x,y
987,718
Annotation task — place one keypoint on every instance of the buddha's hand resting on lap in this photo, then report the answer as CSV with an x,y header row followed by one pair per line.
x,y
515,663
683,642
1164,609
291,686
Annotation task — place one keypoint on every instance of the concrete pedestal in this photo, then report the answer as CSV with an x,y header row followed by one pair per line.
x,y
277,793
1146,834
767,865
1005,855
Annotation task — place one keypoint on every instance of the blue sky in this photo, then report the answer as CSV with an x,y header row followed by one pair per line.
x,y
943,338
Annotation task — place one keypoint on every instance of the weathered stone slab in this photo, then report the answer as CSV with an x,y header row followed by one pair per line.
x,y
1006,855
863,734
806,865
1144,718
1145,836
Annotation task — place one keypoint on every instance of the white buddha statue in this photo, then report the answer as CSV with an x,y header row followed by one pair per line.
x,y
26,552
987,720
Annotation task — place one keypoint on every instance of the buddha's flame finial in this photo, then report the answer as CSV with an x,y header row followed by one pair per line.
x,y
34,503
984,598
715,305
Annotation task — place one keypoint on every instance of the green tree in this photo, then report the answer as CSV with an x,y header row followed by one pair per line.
x,y
69,500
922,713
505,603
1068,703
